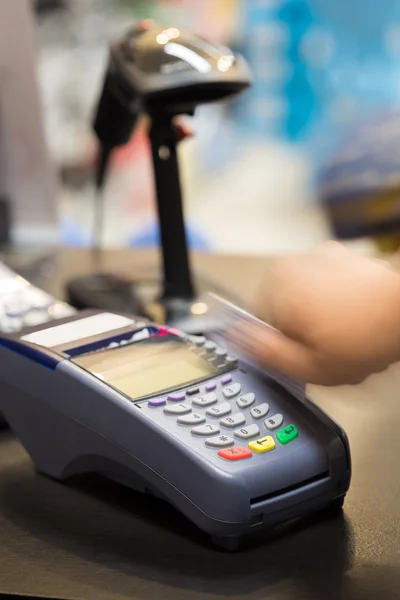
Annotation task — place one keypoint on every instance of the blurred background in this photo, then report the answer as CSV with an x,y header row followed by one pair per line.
x,y
310,152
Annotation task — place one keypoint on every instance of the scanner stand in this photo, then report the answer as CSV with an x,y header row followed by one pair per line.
x,y
174,300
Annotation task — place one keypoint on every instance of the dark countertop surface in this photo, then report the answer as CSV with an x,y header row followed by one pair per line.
x,y
92,539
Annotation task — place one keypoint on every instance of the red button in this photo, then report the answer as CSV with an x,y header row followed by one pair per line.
x,y
235,453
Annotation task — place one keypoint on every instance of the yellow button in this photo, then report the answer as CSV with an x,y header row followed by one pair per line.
x,y
264,444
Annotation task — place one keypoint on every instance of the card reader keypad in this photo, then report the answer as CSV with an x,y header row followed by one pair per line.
x,y
219,406
227,413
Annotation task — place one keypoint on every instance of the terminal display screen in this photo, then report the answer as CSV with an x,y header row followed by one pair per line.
x,y
148,366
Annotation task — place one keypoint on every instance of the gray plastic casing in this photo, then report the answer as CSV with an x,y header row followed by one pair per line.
x,y
71,422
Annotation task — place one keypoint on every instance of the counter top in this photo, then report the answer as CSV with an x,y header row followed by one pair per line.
x,y
92,539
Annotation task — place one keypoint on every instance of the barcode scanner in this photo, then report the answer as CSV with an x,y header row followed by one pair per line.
x,y
161,72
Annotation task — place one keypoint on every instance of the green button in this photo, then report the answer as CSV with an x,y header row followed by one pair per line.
x,y
287,435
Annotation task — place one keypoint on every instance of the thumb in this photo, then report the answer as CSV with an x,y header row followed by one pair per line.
x,y
273,350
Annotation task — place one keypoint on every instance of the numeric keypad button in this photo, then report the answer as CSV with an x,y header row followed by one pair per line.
x,y
219,410
233,421
274,421
191,419
260,411
220,441
245,433
232,390
177,409
205,430
205,400
246,400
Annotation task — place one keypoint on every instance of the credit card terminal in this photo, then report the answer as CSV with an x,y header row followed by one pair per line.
x,y
177,416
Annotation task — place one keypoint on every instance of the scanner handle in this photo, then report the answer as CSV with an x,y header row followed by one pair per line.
x,y
177,273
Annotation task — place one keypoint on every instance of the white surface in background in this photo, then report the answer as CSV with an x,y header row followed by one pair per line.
x,y
262,204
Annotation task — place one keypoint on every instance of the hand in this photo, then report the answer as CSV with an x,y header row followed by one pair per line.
x,y
336,317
